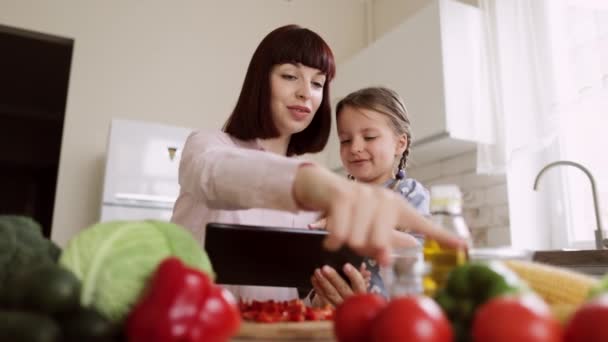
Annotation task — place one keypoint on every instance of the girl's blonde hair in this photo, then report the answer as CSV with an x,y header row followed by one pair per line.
x,y
384,101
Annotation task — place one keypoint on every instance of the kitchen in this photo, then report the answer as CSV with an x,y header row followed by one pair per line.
x,y
162,64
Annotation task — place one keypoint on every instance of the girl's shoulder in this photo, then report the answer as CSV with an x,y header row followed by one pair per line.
x,y
410,186
415,193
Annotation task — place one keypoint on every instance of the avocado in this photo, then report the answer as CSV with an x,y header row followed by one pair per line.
x,y
17,326
87,324
47,288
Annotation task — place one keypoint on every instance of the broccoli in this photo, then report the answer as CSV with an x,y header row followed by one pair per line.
x,y
22,246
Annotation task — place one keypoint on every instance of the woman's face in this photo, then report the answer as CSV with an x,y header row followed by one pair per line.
x,y
296,92
368,144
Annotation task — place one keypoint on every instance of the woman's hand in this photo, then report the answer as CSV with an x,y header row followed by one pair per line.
x,y
320,224
362,216
331,288
400,239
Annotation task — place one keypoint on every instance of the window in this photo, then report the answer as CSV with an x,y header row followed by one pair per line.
x,y
578,35
547,71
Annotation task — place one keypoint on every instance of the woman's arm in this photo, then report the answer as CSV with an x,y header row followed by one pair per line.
x,y
358,215
225,176
362,216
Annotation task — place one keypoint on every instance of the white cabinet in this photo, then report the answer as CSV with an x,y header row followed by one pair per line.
x,y
432,59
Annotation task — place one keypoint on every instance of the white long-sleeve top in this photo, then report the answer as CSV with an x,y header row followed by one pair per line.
x,y
227,180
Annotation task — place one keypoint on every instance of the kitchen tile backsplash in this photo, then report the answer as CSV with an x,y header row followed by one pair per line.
x,y
485,200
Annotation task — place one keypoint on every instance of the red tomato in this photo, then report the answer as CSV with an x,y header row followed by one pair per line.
x,y
516,318
353,317
590,322
412,318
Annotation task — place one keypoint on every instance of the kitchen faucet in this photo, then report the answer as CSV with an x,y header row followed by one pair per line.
x,y
600,243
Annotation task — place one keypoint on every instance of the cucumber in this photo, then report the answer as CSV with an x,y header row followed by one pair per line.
x,y
17,326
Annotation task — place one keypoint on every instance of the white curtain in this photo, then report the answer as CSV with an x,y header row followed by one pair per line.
x,y
546,70
579,36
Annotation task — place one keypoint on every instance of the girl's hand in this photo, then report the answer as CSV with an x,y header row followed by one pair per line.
x,y
331,288
362,216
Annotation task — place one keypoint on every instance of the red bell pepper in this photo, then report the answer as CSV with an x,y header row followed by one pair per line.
x,y
183,304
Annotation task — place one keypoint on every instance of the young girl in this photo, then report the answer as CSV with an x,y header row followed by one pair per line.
x,y
375,139
247,174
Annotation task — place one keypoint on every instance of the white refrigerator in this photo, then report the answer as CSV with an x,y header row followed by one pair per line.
x,y
140,180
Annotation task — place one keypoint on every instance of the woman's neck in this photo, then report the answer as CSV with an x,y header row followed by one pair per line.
x,y
276,145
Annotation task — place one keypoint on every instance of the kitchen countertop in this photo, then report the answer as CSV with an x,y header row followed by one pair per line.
x,y
592,262
313,331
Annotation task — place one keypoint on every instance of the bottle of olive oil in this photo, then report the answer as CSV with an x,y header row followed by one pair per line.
x,y
446,211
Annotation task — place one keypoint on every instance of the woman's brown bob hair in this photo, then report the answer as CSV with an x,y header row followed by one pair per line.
x,y
252,118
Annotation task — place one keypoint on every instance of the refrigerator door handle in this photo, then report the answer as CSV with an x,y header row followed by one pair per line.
x,y
122,196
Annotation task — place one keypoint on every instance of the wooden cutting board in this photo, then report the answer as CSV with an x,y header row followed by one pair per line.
x,y
286,331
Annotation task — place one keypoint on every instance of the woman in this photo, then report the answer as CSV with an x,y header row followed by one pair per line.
x,y
248,174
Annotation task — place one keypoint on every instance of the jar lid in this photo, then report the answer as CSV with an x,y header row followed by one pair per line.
x,y
446,197
408,261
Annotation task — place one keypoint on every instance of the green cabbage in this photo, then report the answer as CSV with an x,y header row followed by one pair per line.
x,y
115,259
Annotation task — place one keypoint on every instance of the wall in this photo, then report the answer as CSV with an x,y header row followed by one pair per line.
x,y
178,63
486,208
184,65
485,201
389,13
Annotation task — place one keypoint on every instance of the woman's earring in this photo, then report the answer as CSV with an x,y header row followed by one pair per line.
x,y
350,177
400,174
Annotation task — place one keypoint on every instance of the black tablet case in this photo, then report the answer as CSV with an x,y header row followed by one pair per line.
x,y
268,256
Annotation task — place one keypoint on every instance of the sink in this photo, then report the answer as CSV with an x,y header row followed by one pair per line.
x,y
591,262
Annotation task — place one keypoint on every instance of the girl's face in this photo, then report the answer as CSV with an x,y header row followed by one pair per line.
x,y
296,94
369,146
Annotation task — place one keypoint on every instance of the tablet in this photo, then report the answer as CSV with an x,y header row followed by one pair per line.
x,y
269,256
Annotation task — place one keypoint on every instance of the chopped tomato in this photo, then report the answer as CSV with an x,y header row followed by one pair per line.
x,y
283,311
265,317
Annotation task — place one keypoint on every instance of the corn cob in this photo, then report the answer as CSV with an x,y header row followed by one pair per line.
x,y
562,289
